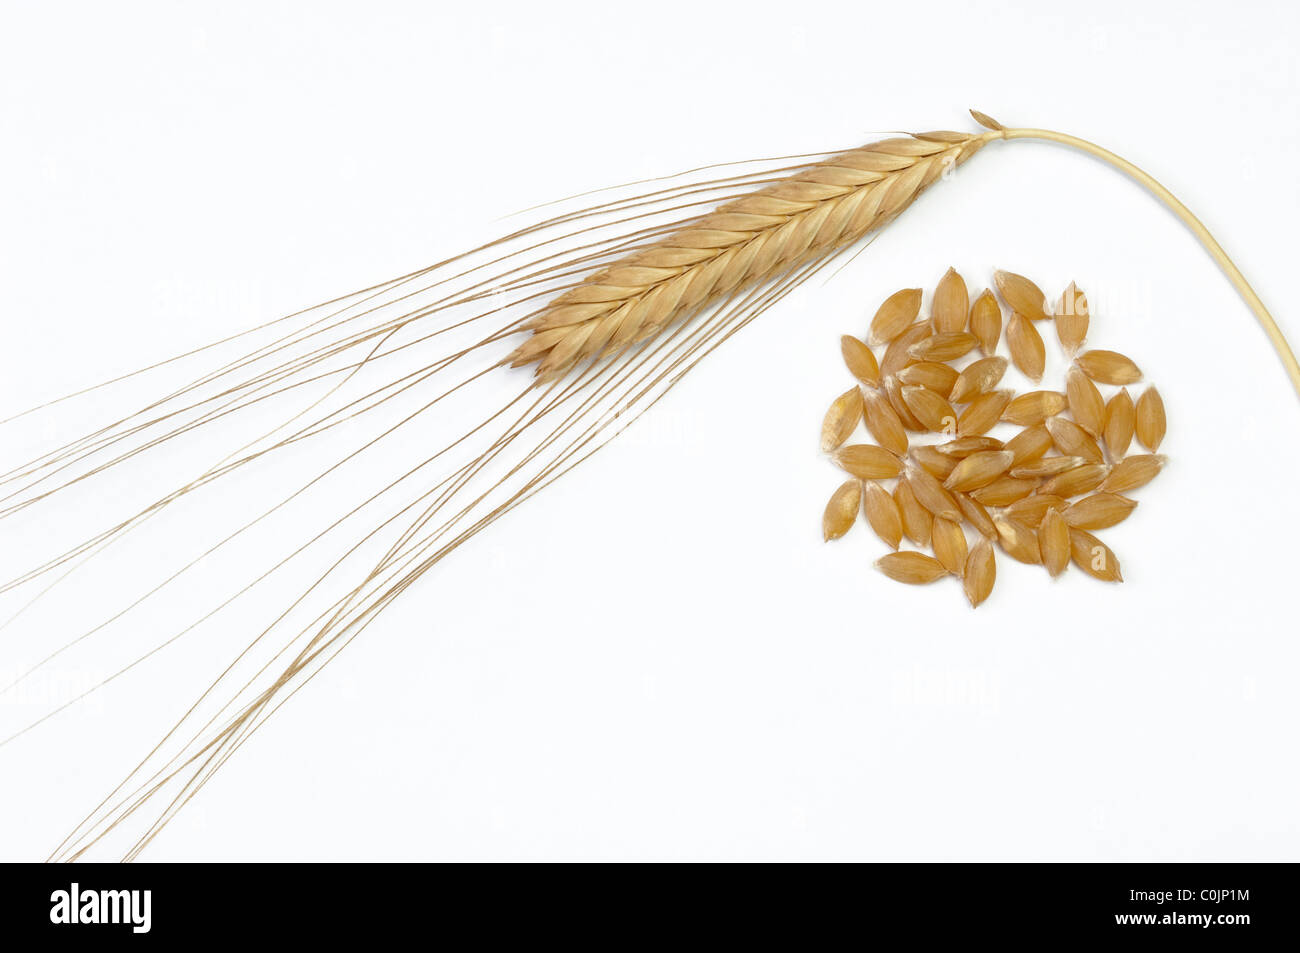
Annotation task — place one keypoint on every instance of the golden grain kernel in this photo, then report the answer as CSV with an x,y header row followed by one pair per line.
x,y
981,415
978,470
1045,467
896,357
844,413
1117,432
1133,472
949,542
894,392
1072,320
981,572
939,378
1028,445
1093,556
916,569
951,302
1018,541
1083,479
1030,510
1108,367
1054,542
860,360
965,446
882,514
899,310
917,521
976,515
946,346
868,462
1072,440
842,510
937,464
1004,491
935,413
1087,406
986,321
1099,511
1149,419
978,377
1033,407
883,422
1021,295
931,494
1026,347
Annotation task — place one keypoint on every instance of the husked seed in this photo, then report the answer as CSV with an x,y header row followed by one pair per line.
x,y
1004,491
931,494
882,514
916,569
1031,509
1054,542
868,462
860,360
1033,408
844,413
1108,367
949,542
1099,511
899,310
894,392
1093,556
986,321
1082,479
937,464
1026,346
917,521
978,377
1087,406
1072,440
842,510
937,377
945,346
981,415
965,446
951,302
1018,541
1120,423
1021,295
1028,445
1149,420
1072,320
896,357
935,413
1133,472
976,515
883,422
981,572
1047,467
978,470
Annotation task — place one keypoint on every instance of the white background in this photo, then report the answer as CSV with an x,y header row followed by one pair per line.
x,y
660,659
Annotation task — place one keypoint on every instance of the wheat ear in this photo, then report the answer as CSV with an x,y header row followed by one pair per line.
x,y
745,242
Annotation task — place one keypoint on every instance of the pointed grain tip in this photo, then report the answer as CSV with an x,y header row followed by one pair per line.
x,y
988,122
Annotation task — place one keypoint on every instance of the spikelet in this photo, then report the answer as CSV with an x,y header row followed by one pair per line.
x,y
894,316
842,417
1028,445
916,569
978,470
1149,419
1120,422
939,465
946,346
1034,407
1026,345
978,377
1108,367
930,493
842,510
1018,541
1054,542
1099,511
882,513
917,521
1072,440
883,422
1021,295
980,574
934,413
1133,472
949,543
868,462
860,360
986,322
981,415
1082,479
1087,406
1093,556
976,515
951,303
939,378
896,355
1004,491
1033,508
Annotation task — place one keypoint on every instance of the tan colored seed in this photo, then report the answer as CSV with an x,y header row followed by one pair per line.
x,y
1026,345
1087,406
937,464
1082,479
842,510
882,513
1004,491
1054,542
1046,467
917,521
1093,556
1031,509
979,377
1120,421
1108,367
1133,472
981,415
939,378
1018,541
1072,440
965,446
1032,408
986,321
860,360
1099,511
981,572
883,422
978,470
1021,295
976,515
868,462
915,569
894,392
844,413
896,357
951,301
947,346
935,413
949,542
1149,419
1072,320
899,310
1028,445
931,494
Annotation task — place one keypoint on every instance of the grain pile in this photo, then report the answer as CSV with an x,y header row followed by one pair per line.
x,y
928,395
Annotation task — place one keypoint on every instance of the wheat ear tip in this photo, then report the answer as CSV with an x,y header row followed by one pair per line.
x,y
988,122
